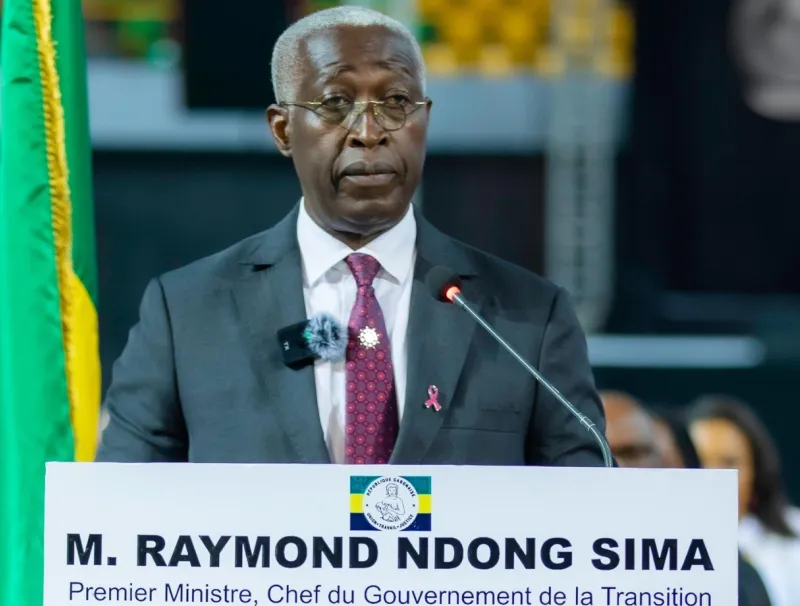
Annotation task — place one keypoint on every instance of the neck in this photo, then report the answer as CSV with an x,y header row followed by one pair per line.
x,y
353,240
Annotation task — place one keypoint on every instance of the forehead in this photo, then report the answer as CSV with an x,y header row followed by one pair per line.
x,y
719,434
351,51
664,434
627,424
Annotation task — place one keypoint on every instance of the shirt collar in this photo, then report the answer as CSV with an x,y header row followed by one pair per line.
x,y
320,251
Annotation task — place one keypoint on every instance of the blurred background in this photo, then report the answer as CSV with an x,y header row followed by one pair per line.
x,y
644,155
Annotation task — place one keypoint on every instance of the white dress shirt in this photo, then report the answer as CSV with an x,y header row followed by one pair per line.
x,y
329,286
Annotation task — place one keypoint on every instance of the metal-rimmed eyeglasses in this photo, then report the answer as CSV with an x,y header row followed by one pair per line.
x,y
391,113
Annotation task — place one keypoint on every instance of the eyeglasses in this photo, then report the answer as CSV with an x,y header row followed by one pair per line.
x,y
391,113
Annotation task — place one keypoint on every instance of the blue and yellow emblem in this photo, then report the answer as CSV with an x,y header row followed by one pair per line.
x,y
391,503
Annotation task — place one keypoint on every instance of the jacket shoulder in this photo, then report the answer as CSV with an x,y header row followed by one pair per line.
x,y
217,269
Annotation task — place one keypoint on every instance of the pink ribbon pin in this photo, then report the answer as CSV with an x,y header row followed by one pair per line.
x,y
433,393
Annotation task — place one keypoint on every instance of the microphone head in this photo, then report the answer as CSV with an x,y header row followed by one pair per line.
x,y
326,338
440,282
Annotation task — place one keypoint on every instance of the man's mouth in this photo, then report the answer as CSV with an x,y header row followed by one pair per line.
x,y
368,174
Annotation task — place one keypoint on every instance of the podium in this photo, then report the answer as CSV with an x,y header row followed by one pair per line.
x,y
163,534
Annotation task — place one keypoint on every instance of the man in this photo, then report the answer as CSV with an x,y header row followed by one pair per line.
x,y
667,444
633,435
630,430
202,377
673,442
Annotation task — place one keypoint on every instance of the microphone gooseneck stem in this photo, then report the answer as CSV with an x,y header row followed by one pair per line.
x,y
608,460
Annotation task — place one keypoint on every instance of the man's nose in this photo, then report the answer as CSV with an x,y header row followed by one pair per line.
x,y
366,131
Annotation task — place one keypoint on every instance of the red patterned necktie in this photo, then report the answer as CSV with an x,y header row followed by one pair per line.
x,y
371,419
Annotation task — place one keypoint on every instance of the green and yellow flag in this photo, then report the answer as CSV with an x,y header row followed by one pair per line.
x,y
49,362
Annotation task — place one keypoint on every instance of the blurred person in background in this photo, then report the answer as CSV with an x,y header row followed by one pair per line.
x,y
673,441
641,439
677,450
630,431
729,435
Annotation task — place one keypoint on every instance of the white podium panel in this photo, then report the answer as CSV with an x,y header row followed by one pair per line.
x,y
434,536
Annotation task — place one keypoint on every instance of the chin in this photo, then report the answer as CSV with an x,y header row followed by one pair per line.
x,y
373,211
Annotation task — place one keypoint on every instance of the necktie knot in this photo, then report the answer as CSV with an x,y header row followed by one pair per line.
x,y
364,268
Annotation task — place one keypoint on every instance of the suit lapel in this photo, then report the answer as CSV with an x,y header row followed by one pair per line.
x,y
439,336
269,298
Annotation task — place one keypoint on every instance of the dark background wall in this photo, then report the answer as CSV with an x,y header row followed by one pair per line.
x,y
715,184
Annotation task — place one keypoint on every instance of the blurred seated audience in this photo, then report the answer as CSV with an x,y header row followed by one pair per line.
x,y
677,447
729,435
640,439
673,442
630,431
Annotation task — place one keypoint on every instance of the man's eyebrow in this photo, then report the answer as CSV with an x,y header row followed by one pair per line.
x,y
395,65
333,70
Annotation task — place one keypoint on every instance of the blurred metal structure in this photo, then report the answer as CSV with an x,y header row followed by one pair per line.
x,y
404,11
580,150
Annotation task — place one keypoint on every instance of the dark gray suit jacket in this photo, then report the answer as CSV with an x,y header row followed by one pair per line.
x,y
752,591
202,379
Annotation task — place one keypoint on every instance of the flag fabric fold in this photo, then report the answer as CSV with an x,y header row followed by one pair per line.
x,y
49,361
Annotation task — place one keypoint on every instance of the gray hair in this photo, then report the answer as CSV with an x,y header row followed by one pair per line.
x,y
287,65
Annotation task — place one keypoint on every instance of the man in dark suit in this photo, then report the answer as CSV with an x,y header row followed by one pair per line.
x,y
202,377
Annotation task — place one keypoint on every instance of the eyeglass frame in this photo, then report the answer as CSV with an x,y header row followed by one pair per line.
x,y
363,104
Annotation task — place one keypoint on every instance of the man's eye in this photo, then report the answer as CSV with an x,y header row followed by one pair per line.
x,y
335,102
397,100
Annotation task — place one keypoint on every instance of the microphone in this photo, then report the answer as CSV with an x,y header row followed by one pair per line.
x,y
445,285
320,338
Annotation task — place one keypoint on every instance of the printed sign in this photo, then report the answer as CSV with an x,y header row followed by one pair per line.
x,y
434,536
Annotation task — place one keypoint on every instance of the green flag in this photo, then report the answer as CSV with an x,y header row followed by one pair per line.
x,y
49,363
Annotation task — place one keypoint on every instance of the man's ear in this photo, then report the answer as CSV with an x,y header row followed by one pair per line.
x,y
278,118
